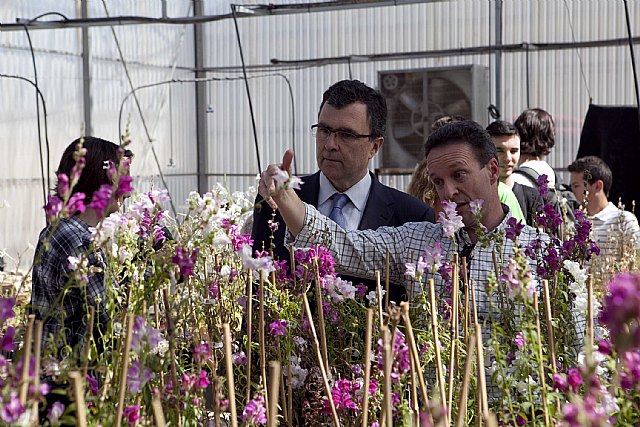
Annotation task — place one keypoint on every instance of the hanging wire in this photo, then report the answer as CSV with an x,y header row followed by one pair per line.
x,y
44,112
144,123
633,59
573,36
246,84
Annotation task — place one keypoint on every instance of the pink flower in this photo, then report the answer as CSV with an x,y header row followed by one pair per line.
x,y
56,411
53,207
519,341
621,311
255,412
100,199
239,358
201,353
574,379
476,206
63,184
12,410
7,344
203,380
560,382
6,309
76,203
278,328
185,262
132,413
124,186
449,219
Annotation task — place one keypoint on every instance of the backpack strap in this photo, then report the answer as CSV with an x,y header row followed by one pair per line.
x,y
529,173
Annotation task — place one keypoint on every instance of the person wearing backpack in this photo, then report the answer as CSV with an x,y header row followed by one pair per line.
x,y
537,137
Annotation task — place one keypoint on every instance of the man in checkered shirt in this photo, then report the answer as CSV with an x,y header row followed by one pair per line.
x,y
463,165
57,299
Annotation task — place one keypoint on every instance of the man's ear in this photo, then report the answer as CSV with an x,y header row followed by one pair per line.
x,y
494,170
375,146
599,184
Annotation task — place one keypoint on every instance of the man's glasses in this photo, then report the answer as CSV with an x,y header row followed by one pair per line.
x,y
322,133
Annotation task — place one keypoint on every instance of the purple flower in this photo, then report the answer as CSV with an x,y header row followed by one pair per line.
x,y
76,203
55,412
255,412
201,353
621,312
513,229
560,382
519,341
239,358
574,379
7,344
53,207
433,255
604,347
12,410
342,394
449,219
476,206
138,376
63,184
143,334
543,185
132,413
278,328
92,385
124,186
76,172
100,199
185,262
203,380
6,309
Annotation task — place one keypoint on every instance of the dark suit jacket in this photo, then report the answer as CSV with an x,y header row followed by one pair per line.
x,y
385,206
530,201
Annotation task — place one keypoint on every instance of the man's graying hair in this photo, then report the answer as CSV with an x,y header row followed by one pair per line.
x,y
346,92
466,132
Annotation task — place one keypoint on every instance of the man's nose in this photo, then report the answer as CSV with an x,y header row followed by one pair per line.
x,y
449,191
332,142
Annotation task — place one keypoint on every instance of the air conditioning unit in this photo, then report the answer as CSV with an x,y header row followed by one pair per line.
x,y
417,98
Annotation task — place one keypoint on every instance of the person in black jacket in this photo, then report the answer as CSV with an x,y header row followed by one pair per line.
x,y
507,141
349,132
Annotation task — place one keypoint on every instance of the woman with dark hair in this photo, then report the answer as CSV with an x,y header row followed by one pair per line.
x,y
537,132
93,180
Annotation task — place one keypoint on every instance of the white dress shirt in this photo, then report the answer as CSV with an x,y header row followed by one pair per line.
x,y
353,210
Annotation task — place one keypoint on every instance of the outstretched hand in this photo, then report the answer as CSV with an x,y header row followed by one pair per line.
x,y
267,186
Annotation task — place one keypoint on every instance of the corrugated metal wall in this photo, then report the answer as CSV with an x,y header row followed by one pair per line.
x,y
159,52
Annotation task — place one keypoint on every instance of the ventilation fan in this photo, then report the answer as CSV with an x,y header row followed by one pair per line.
x,y
416,99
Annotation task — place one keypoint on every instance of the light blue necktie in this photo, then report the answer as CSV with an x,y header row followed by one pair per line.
x,y
339,200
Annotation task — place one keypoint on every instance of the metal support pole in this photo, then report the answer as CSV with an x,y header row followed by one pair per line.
x,y
498,56
201,102
86,71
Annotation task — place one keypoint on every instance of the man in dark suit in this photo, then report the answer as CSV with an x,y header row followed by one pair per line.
x,y
349,132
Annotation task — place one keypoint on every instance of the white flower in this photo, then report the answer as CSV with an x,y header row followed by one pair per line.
x,y
73,263
298,373
373,296
221,240
300,342
161,348
579,274
264,264
285,181
225,271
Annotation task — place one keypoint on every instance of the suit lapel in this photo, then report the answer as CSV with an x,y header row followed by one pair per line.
x,y
377,211
309,189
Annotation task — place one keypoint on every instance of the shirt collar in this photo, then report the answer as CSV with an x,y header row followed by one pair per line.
x,y
358,193
610,211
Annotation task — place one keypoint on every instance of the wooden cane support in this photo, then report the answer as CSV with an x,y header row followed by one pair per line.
x,y
230,380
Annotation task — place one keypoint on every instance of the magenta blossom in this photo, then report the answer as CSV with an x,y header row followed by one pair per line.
x,y
138,376
184,261
53,207
124,186
132,414
278,328
255,411
513,229
560,382
76,203
201,353
621,311
55,412
100,199
574,379
6,309
63,184
7,343
519,341
11,410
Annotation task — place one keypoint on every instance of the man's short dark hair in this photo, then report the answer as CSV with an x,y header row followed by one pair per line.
x,y
346,92
502,128
444,120
94,173
537,132
594,169
466,132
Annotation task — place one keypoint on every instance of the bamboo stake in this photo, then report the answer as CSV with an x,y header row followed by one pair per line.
x,y
285,414
158,413
123,372
87,340
230,382
367,368
550,338
436,341
274,386
25,379
263,356
290,394
590,313
170,332
540,360
379,293
77,382
156,314
454,333
414,354
387,418
249,330
464,393
483,402
320,309
323,372
386,281
465,283
473,301
37,344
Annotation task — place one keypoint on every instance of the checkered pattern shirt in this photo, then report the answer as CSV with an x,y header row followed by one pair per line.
x,y
57,300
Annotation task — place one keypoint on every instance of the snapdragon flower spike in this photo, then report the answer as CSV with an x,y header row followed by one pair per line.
x,y
6,309
476,207
449,219
184,261
513,229
543,185
124,186
100,199
53,207
138,376
76,203
621,312
76,171
63,185
255,412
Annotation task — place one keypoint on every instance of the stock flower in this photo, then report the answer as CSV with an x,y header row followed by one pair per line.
x,y
476,206
560,382
144,335
278,328
132,413
7,343
53,206
239,358
100,199
11,410
574,379
55,412
543,185
519,341
513,229
138,376
6,309
342,394
201,353
184,261
203,380
449,219
76,203
621,312
124,186
255,412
